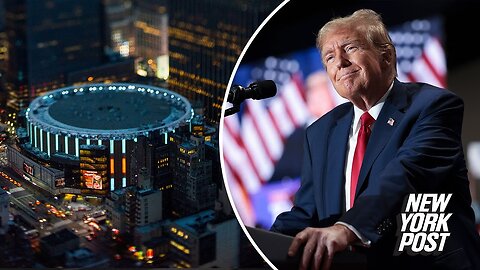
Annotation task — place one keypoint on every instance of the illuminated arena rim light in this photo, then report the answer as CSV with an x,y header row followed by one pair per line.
x,y
117,111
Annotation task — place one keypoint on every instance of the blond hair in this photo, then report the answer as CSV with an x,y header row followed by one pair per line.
x,y
367,22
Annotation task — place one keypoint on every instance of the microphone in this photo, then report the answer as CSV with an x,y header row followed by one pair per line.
x,y
256,90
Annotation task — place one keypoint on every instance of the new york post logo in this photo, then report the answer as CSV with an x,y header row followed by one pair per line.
x,y
423,227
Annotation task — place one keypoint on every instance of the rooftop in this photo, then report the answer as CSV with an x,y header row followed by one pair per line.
x,y
59,237
92,147
3,193
146,192
196,223
109,111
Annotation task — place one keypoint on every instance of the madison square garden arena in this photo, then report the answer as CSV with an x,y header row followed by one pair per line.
x,y
95,138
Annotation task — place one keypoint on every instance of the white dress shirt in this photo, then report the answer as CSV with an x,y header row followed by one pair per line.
x,y
352,144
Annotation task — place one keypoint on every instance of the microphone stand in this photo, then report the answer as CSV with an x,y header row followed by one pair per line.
x,y
256,90
234,109
233,98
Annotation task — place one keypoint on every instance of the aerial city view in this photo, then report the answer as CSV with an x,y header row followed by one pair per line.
x,y
109,114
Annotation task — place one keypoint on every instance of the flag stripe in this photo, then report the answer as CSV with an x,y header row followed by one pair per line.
x,y
234,143
257,129
440,80
240,194
436,55
282,115
252,143
273,141
289,109
411,77
433,57
276,126
238,162
422,73
295,103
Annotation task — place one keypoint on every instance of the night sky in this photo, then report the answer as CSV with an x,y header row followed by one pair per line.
x,y
295,26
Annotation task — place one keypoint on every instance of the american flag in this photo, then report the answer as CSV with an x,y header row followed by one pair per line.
x,y
420,55
254,139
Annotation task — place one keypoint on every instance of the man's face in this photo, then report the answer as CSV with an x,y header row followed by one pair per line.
x,y
354,67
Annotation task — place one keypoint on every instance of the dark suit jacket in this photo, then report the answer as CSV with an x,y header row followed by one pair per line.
x,y
421,153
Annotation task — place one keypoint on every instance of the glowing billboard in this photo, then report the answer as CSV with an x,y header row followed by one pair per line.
x,y
94,169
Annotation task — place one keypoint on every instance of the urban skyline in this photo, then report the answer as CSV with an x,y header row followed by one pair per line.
x,y
110,112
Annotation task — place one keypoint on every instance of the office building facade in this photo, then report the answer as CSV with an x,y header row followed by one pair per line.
x,y
47,40
206,38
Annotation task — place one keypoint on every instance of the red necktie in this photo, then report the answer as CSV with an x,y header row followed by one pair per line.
x,y
366,120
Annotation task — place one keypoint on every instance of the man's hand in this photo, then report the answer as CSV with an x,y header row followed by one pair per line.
x,y
321,244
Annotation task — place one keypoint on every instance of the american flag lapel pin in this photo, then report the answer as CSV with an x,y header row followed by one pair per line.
x,y
391,121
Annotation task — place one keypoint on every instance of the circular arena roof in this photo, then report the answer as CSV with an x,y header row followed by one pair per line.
x,y
109,111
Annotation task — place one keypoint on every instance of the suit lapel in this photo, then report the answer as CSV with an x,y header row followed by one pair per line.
x,y
383,129
335,175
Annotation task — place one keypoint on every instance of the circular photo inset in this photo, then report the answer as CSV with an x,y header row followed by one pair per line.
x,y
342,139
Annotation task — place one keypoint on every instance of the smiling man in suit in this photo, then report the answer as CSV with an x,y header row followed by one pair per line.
x,y
364,157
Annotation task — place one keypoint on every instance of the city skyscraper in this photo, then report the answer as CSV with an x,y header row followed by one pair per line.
x,y
118,26
4,208
205,239
206,38
139,29
15,28
47,40
151,37
193,188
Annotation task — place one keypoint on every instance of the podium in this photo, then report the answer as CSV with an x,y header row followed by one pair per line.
x,y
275,247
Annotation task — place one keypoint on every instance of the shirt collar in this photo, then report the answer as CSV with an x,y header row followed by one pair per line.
x,y
374,111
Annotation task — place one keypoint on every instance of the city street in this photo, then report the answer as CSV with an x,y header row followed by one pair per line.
x,y
32,208
44,215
